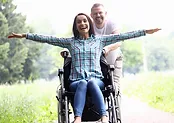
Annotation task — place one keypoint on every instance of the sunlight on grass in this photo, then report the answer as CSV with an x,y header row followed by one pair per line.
x,y
28,103
154,88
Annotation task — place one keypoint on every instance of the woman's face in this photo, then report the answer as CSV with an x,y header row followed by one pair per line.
x,y
82,25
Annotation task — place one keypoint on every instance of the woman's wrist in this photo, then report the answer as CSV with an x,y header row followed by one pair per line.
x,y
23,35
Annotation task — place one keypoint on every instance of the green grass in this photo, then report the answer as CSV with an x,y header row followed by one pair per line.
x,y
157,89
36,103
28,103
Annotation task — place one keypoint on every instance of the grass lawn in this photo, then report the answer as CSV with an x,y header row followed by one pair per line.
x,y
36,103
28,103
157,89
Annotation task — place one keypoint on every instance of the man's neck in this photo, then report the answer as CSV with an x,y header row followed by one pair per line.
x,y
100,26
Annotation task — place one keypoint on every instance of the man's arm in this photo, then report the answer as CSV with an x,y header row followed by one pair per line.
x,y
115,32
111,47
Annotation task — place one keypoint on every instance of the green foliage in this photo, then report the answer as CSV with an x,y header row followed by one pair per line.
x,y
23,59
3,1
49,60
4,73
3,25
160,55
15,54
159,59
28,103
4,52
132,52
157,52
154,88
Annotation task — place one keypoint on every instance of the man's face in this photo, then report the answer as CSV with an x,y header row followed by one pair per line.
x,y
98,14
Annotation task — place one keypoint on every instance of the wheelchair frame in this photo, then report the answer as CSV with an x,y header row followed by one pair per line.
x,y
110,93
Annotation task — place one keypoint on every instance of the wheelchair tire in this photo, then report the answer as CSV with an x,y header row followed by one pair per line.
x,y
61,114
114,114
60,108
114,110
67,120
118,110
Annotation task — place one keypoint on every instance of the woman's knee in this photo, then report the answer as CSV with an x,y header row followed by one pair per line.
x,y
82,84
95,83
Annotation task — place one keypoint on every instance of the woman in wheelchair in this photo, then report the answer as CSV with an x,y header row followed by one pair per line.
x,y
85,49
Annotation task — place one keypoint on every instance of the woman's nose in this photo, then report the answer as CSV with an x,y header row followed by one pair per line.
x,y
82,22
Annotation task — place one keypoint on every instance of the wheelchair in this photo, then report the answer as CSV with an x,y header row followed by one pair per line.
x,y
65,96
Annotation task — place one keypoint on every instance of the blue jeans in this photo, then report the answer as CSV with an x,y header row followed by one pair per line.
x,y
94,87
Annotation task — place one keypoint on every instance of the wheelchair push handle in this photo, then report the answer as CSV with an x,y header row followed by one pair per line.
x,y
60,72
111,67
64,54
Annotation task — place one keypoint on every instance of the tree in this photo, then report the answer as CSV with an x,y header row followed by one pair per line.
x,y
13,52
4,48
133,57
4,73
160,54
14,65
2,1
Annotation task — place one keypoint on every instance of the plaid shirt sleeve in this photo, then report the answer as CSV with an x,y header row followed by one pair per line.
x,y
110,39
62,42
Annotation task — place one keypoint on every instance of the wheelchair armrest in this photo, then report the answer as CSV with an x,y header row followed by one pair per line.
x,y
109,87
60,72
111,67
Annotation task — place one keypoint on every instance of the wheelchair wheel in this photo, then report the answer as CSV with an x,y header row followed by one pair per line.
x,y
61,108
118,110
67,120
61,114
114,113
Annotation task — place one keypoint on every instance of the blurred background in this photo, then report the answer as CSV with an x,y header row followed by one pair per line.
x,y
148,60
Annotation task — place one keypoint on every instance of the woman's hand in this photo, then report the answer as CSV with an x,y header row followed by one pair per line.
x,y
14,35
151,31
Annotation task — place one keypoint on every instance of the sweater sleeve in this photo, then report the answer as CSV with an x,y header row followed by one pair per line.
x,y
62,42
110,39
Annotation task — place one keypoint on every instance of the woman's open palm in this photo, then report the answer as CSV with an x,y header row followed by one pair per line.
x,y
151,31
14,35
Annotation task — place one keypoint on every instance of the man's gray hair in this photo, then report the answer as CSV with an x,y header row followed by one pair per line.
x,y
96,5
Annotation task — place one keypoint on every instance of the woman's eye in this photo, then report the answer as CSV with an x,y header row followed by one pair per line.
x,y
78,22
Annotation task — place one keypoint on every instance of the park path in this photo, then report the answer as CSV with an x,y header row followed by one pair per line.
x,y
135,111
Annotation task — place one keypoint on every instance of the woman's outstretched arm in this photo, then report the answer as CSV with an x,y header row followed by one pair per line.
x,y
110,39
62,42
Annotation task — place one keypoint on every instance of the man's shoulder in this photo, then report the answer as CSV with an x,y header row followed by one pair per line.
x,y
111,26
110,22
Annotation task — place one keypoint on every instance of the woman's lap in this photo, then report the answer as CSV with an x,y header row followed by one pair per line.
x,y
94,87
